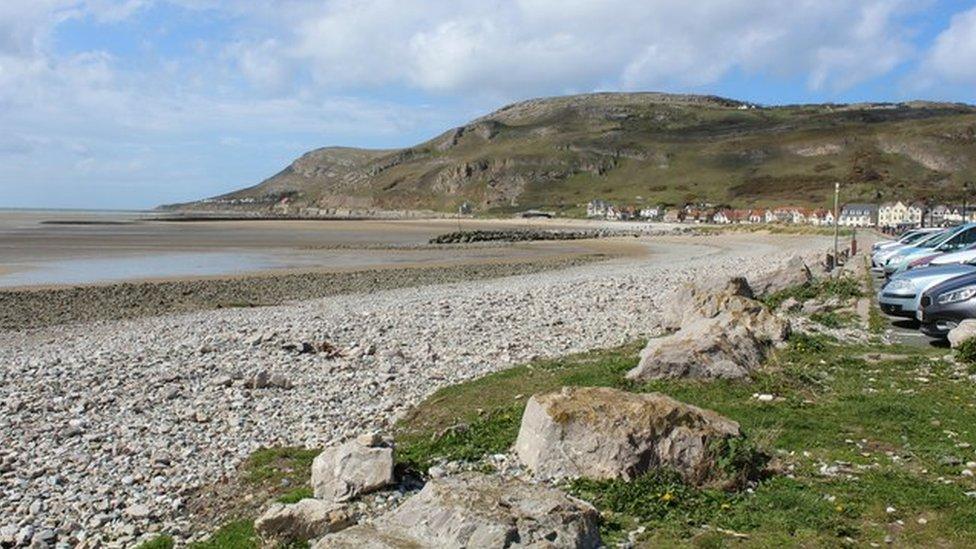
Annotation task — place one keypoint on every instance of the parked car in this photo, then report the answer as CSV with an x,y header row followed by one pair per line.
x,y
906,238
943,306
936,259
953,240
965,256
900,296
881,258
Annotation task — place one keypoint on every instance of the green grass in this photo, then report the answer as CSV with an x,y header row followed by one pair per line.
x,y
877,323
274,465
159,542
890,427
842,288
467,421
966,352
238,534
296,495
835,319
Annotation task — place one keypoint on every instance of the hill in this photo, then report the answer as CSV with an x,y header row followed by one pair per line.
x,y
559,153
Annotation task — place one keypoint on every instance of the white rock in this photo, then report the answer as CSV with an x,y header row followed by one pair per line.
x,y
343,472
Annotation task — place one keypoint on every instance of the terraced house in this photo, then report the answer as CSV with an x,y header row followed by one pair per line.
x,y
858,215
900,214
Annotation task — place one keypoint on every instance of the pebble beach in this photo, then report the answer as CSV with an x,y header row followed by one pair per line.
x,y
109,426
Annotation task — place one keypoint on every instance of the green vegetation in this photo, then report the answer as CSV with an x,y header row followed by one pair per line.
x,y
238,534
841,288
635,149
835,319
857,446
466,421
159,542
275,465
966,352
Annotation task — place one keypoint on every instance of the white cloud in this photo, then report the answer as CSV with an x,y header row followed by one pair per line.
x,y
952,57
524,47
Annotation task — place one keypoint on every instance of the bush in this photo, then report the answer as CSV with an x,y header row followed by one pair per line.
x,y
966,352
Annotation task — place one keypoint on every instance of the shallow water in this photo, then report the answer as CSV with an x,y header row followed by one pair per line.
x,y
70,247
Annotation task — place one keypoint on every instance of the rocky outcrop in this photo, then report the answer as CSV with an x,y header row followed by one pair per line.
x,y
794,272
605,433
704,299
714,348
341,473
477,510
724,333
965,331
308,519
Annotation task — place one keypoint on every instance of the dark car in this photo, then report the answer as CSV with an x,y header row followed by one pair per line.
x,y
943,306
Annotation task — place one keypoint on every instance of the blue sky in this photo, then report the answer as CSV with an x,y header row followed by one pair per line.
x,y
133,103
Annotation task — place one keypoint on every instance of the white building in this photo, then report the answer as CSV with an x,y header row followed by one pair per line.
x,y
597,208
892,214
651,213
858,215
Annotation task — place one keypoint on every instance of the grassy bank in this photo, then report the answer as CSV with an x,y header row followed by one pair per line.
x,y
870,442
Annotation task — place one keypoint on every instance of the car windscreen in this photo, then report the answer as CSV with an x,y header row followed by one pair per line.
x,y
914,237
936,239
932,239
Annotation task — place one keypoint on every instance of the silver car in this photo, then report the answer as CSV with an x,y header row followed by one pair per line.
x,y
901,295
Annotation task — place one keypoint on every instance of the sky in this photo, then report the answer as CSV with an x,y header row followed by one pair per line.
x,y
134,103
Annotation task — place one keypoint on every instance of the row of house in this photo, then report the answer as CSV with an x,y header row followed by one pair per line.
x,y
887,215
707,213
899,214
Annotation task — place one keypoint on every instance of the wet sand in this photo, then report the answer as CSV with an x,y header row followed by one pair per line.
x,y
72,248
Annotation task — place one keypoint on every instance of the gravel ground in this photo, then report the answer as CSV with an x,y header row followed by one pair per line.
x,y
31,308
107,426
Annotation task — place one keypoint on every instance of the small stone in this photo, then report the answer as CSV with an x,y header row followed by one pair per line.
x,y
138,511
370,440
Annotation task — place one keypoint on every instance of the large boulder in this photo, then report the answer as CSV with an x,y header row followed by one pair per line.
x,y
793,272
604,433
703,299
964,331
359,466
298,522
730,345
477,510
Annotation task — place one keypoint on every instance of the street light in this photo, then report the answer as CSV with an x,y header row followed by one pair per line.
x,y
967,188
836,219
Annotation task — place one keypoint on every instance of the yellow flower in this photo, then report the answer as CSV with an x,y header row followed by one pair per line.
x,y
840,508
667,496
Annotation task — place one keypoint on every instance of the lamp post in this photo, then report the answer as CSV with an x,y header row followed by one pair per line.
x,y
836,219
967,188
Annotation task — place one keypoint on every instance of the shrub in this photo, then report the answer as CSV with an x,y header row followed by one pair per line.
x,y
966,352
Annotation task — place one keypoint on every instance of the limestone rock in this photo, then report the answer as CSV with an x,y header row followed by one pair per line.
x,y
605,433
477,510
359,466
794,272
959,334
702,300
302,521
729,345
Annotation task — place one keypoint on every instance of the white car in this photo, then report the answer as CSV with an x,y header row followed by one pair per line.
x,y
906,238
964,256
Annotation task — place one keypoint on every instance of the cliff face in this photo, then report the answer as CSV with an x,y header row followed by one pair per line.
x,y
559,153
